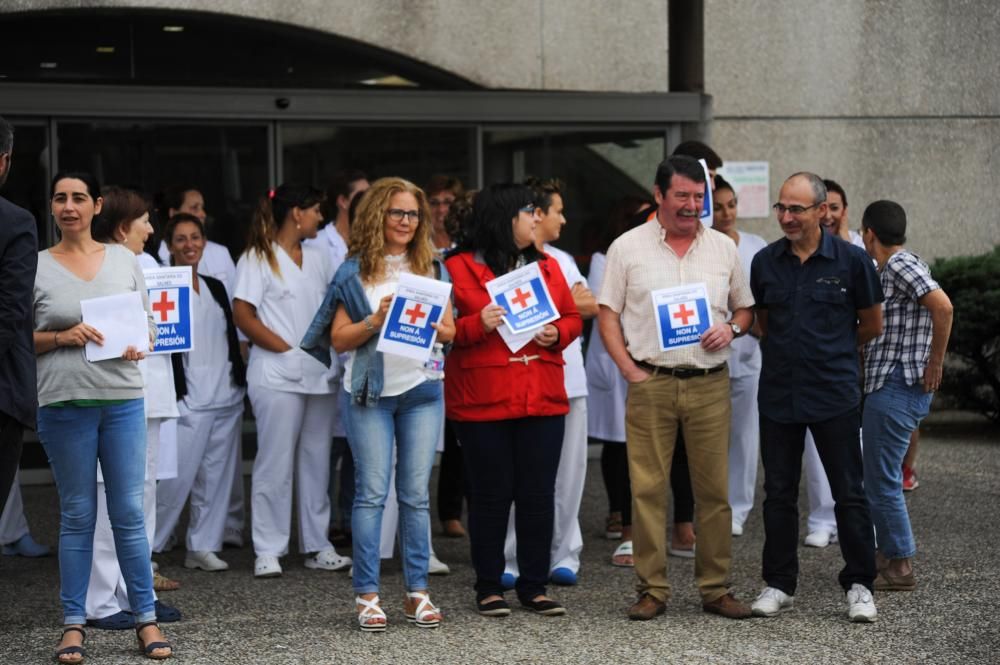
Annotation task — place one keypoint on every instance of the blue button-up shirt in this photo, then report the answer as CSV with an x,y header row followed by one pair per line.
x,y
810,358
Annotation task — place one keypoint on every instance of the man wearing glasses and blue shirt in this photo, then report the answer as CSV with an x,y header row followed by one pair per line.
x,y
818,301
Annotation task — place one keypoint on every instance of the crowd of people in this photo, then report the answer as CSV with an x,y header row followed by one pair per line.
x,y
711,351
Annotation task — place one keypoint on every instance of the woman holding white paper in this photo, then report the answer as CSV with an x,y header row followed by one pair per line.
x,y
280,282
507,400
92,411
395,403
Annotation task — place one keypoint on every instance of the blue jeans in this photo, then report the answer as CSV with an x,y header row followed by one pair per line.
x,y
411,423
891,414
75,438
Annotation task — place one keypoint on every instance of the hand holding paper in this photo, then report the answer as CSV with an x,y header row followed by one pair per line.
x,y
122,321
409,316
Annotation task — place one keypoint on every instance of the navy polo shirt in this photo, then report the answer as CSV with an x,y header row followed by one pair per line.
x,y
810,369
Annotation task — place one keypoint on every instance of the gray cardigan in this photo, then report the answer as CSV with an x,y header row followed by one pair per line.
x,y
65,373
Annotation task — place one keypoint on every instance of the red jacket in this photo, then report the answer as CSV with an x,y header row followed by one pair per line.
x,y
481,382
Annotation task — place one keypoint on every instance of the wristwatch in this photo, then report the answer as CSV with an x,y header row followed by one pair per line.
x,y
737,331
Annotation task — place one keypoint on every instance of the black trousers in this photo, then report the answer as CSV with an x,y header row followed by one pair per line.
x,y
511,461
451,484
10,454
614,470
839,448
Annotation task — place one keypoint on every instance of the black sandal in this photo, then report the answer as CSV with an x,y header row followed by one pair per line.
x,y
67,651
148,649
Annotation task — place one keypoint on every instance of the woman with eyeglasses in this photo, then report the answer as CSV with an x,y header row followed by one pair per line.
x,y
280,284
395,405
92,412
508,407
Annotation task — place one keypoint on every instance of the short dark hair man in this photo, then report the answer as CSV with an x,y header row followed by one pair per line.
x,y
903,368
686,387
18,384
818,299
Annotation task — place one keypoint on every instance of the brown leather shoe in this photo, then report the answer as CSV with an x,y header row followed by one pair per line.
x,y
646,608
728,607
453,529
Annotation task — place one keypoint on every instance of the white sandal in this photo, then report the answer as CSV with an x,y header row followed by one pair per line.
x,y
371,618
424,609
625,549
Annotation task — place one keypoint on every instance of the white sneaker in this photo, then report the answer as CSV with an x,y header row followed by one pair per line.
x,y
156,566
737,529
861,605
328,560
206,561
436,566
821,538
266,566
770,602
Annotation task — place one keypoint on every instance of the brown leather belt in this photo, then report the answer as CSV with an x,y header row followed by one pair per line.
x,y
679,372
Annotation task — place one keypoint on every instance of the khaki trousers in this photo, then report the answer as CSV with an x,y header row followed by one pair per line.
x,y
655,408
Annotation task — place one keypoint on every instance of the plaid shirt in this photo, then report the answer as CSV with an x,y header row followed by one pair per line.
x,y
906,332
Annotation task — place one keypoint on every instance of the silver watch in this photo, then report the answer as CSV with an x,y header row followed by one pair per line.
x,y
737,331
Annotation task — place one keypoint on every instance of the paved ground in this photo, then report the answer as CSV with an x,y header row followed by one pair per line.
x,y
307,616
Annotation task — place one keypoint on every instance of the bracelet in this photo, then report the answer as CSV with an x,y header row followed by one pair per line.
x,y
55,338
369,326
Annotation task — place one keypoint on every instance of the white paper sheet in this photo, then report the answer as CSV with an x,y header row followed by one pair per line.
x,y
417,303
121,319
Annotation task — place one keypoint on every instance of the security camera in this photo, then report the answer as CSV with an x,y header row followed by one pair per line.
x,y
282,102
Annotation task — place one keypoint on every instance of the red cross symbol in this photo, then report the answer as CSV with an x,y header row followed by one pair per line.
x,y
521,298
163,306
415,314
683,313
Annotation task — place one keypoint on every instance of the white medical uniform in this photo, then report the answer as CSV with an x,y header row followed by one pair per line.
x,y
217,262
106,593
567,539
209,430
606,387
744,375
293,402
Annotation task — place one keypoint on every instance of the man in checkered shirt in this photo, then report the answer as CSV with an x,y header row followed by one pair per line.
x,y
902,371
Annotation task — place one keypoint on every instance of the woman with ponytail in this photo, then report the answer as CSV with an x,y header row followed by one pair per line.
x,y
280,284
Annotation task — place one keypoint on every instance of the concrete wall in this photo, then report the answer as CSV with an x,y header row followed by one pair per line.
x,y
892,99
529,44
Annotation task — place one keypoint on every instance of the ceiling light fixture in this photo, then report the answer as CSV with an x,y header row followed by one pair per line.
x,y
105,49
48,65
173,28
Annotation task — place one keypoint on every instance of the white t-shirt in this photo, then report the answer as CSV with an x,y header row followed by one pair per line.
x,y
157,371
286,304
400,373
744,360
215,262
207,369
575,377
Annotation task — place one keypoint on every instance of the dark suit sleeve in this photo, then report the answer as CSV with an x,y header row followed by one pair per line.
x,y
17,274
867,285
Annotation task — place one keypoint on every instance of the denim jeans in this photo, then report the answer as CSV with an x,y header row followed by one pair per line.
x,y
75,438
511,461
891,414
410,422
839,448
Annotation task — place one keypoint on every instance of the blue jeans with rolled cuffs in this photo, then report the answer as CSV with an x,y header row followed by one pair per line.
x,y
75,438
891,414
410,424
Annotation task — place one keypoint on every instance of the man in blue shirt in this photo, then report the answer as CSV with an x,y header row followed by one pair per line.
x,y
818,300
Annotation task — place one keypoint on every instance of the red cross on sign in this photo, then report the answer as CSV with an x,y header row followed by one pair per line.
x,y
164,306
521,298
684,314
415,314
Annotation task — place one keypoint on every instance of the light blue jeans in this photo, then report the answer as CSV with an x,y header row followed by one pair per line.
x,y
75,438
891,414
411,423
